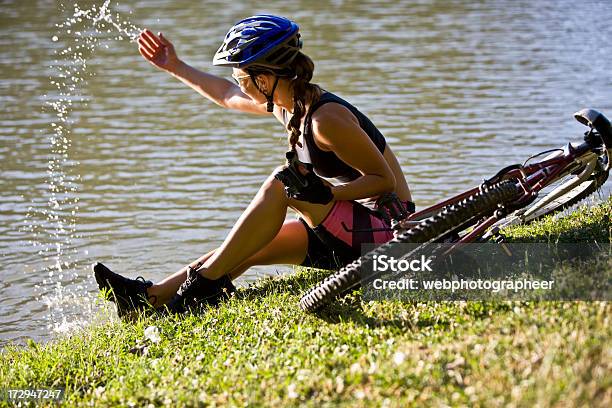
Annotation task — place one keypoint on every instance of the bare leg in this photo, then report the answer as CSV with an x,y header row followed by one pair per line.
x,y
257,226
288,247
163,291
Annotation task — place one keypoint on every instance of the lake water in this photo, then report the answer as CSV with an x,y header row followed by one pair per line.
x,y
151,175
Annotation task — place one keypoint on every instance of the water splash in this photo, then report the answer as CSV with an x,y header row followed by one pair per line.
x,y
53,226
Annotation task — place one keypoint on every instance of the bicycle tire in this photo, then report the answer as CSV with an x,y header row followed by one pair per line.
x,y
598,180
482,203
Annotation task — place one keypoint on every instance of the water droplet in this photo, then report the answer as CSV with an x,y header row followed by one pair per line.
x,y
54,38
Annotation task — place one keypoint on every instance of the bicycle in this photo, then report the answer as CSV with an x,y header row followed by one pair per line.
x,y
567,175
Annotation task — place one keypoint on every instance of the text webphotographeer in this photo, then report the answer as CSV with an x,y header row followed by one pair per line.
x,y
463,284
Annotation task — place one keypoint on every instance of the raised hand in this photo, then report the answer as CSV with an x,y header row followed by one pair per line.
x,y
157,50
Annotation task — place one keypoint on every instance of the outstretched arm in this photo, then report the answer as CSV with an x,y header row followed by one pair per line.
x,y
159,51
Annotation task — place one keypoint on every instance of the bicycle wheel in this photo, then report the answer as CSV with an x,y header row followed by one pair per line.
x,y
480,204
544,206
573,197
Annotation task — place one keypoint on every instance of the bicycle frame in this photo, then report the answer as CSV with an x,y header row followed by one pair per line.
x,y
532,178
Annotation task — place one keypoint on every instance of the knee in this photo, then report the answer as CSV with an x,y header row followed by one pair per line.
x,y
273,180
276,171
272,186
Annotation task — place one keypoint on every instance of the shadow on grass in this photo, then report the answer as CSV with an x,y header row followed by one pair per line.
x,y
295,284
350,309
342,312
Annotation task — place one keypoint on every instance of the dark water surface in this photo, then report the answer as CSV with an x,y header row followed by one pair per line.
x,y
160,174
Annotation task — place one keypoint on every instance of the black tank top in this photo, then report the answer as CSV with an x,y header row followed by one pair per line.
x,y
327,164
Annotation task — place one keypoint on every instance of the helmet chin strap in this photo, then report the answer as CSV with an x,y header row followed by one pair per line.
x,y
270,106
269,98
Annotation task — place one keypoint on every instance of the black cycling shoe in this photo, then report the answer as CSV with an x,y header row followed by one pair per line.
x,y
128,294
198,290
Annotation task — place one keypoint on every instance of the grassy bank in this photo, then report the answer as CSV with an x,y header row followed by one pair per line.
x,y
259,348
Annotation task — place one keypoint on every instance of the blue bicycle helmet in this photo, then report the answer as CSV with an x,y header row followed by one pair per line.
x,y
265,41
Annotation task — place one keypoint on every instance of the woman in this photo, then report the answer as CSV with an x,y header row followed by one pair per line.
x,y
328,138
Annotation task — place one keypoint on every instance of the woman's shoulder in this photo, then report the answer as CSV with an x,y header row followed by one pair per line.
x,y
331,110
331,123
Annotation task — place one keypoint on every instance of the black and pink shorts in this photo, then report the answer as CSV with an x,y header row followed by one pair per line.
x,y
337,240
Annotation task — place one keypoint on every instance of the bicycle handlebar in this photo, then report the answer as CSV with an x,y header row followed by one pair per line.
x,y
596,120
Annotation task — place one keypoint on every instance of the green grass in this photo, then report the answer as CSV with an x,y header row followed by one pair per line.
x,y
260,349
587,224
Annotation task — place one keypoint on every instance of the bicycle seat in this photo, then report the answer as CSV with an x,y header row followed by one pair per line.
x,y
597,121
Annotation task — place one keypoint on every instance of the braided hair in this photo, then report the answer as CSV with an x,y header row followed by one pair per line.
x,y
303,91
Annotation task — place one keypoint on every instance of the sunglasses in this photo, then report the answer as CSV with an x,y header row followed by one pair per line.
x,y
239,78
